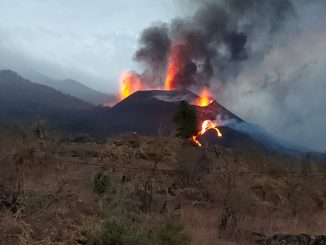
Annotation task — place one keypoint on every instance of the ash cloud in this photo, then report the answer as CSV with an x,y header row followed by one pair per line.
x,y
215,40
154,49
263,59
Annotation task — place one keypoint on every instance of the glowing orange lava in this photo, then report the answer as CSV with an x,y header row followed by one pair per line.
x,y
172,71
206,125
175,60
194,139
205,98
129,83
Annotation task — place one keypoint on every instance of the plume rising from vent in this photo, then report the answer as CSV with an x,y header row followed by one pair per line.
x,y
210,45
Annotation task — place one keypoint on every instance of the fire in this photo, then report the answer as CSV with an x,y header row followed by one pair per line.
x,y
176,56
205,98
194,139
129,83
206,125
172,71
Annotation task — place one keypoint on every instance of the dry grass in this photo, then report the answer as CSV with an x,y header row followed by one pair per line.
x,y
47,194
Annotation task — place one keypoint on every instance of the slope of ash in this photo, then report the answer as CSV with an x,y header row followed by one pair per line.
x,y
152,111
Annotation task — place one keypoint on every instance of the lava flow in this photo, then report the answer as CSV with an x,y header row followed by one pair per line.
x,y
206,125
129,83
204,100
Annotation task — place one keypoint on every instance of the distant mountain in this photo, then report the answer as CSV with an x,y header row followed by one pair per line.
x,y
70,87
22,99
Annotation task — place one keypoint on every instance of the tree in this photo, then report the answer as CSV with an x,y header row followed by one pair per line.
x,y
186,120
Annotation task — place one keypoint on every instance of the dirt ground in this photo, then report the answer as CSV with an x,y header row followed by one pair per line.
x,y
69,191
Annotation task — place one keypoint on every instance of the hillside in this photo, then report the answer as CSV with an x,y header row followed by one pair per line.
x,y
71,87
135,189
21,99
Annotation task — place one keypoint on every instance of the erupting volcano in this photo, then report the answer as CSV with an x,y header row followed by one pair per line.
x,y
131,83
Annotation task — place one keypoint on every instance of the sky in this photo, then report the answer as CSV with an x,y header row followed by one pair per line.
x,y
90,41
283,89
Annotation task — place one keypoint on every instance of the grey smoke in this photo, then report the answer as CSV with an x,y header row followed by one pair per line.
x,y
215,40
263,59
284,90
155,44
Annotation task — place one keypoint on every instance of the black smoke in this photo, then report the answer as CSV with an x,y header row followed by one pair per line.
x,y
215,40
153,52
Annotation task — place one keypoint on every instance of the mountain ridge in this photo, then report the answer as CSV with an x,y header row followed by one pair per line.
x,y
70,87
23,99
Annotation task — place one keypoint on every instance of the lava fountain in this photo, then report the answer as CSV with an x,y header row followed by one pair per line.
x,y
129,83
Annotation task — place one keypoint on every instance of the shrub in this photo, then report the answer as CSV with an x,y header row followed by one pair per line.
x,y
100,182
119,232
114,231
172,233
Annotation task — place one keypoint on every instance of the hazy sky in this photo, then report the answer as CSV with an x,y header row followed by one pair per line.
x,y
87,40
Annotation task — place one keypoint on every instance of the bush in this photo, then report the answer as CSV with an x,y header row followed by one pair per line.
x,y
172,233
186,120
100,182
120,227
114,231
119,232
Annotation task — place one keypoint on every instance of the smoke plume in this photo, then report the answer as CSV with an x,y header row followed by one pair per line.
x,y
153,52
213,42
262,59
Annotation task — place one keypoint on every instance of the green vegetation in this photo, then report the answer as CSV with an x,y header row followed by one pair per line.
x,y
172,233
186,120
121,231
118,225
100,182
